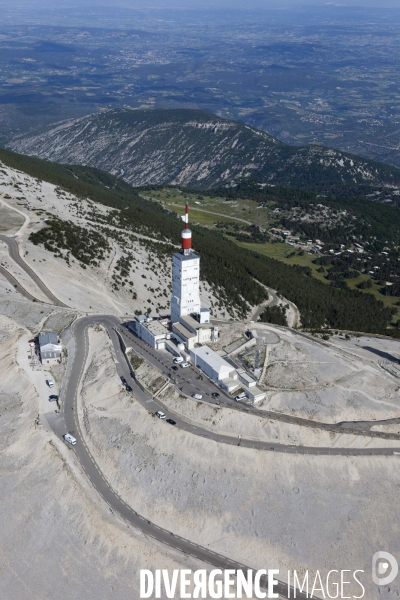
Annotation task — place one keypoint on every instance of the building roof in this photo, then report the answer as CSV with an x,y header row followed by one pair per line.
x,y
186,257
156,328
50,348
47,338
53,354
181,329
254,392
142,318
246,377
230,384
213,359
191,322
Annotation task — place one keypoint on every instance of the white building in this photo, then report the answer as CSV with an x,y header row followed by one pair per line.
x,y
191,332
247,379
151,331
185,298
212,364
190,322
223,373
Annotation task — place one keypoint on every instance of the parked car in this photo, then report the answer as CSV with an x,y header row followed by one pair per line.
x,y
53,398
197,396
174,368
70,439
185,365
123,380
240,396
215,395
128,388
178,360
160,414
171,421
50,382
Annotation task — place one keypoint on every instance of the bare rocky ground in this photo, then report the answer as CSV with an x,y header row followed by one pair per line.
x,y
264,509
261,508
58,538
231,422
356,379
10,221
341,380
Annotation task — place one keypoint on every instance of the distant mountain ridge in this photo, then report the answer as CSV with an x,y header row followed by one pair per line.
x,y
196,149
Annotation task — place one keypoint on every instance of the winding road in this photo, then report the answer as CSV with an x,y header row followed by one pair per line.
x,y
68,421
16,285
187,381
13,251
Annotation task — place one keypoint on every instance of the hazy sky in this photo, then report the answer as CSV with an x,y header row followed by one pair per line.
x,y
198,3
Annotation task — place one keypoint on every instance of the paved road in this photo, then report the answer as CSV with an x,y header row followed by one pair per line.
x,y
208,212
16,284
272,301
187,382
153,404
15,255
68,421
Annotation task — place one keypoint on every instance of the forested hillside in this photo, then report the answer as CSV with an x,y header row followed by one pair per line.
x,y
224,264
200,150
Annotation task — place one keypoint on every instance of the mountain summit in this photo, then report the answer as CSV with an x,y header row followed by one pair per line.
x,y
197,149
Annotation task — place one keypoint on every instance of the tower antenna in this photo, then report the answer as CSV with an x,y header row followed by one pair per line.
x,y
186,234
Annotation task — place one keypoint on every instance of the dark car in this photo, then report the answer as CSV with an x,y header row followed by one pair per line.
x,y
128,388
171,421
53,398
174,368
123,380
215,395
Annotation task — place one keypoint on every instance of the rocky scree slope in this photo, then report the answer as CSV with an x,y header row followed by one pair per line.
x,y
197,149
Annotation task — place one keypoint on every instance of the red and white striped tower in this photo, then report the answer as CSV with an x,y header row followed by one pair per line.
x,y
186,234
185,297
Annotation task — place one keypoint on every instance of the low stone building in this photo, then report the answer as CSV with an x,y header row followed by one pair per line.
x,y
50,349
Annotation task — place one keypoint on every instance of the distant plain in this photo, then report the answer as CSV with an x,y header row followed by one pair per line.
x,y
314,74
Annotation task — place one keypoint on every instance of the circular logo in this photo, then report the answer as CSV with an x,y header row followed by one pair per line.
x,y
384,568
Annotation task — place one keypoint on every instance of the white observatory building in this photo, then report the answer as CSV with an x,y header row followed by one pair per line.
x,y
190,322
185,298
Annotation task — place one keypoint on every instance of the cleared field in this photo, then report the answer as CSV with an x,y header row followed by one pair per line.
x,y
208,211
10,221
218,208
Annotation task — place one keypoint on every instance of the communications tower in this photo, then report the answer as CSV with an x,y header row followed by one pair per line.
x,y
185,298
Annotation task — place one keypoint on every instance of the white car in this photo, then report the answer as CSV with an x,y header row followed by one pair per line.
x,y
70,439
178,360
160,414
185,365
240,396
197,396
50,383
